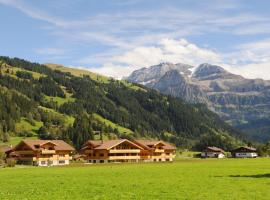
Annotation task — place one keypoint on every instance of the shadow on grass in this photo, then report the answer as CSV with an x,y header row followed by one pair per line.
x,y
251,176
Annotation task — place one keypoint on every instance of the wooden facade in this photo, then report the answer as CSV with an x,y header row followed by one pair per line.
x,y
156,151
42,152
111,151
127,151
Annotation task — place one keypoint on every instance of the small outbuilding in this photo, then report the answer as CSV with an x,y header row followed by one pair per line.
x,y
213,152
244,152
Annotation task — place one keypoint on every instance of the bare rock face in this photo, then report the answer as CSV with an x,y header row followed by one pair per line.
x,y
236,99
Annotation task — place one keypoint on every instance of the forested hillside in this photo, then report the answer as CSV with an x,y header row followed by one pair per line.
x,y
39,101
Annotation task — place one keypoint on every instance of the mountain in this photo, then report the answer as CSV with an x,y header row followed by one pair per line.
x,y
55,102
239,101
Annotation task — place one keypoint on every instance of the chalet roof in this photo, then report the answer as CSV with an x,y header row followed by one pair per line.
x,y
245,149
214,149
108,144
146,144
59,144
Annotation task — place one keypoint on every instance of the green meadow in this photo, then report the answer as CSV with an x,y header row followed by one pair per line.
x,y
182,179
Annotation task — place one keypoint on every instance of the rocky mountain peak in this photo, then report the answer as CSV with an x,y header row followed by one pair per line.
x,y
206,69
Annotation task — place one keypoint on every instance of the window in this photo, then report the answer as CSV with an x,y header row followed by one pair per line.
x,y
101,161
43,162
94,161
101,154
62,162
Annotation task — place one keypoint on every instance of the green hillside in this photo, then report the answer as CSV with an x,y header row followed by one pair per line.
x,y
62,103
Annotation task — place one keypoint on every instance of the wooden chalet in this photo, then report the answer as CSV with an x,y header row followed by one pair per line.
x,y
156,151
99,151
42,152
244,152
213,152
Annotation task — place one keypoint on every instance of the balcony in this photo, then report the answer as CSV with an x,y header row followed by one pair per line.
x,y
159,150
124,151
45,151
88,151
124,158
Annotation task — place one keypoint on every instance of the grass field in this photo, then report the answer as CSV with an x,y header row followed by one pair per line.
x,y
184,179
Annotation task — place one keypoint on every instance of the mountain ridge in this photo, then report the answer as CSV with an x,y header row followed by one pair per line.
x,y
237,100
60,105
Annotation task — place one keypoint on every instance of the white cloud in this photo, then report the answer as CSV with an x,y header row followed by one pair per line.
x,y
167,50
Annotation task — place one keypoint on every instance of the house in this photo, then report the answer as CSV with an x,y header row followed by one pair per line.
x,y
213,152
42,152
244,152
78,158
156,151
101,151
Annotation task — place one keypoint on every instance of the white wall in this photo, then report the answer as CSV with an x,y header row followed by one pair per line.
x,y
212,155
246,155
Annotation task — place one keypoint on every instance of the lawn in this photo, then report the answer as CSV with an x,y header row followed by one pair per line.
x,y
184,179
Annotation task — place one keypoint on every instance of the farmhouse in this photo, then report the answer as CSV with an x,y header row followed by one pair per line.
x,y
244,152
213,152
42,152
99,151
156,151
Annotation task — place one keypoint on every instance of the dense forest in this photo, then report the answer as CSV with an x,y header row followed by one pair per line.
x,y
78,108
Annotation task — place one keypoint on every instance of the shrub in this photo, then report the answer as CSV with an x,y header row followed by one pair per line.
x,y
11,162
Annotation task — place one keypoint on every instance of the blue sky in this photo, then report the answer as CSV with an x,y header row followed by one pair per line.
x,y
115,37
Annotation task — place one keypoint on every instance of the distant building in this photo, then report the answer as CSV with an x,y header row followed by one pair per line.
x,y
156,151
99,151
244,152
42,152
213,152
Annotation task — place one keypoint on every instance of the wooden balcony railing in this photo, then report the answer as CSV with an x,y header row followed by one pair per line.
x,y
159,150
124,157
124,151
45,151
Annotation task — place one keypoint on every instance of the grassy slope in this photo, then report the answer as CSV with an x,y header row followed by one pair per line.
x,y
187,179
79,72
12,71
121,129
24,125
15,140
94,76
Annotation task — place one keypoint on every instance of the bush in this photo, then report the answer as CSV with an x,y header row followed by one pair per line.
x,y
26,134
11,162
2,162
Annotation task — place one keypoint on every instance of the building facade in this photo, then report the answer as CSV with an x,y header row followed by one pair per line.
x,y
244,152
156,151
213,152
42,152
111,151
127,151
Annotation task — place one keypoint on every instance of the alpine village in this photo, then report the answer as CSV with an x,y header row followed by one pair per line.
x,y
61,115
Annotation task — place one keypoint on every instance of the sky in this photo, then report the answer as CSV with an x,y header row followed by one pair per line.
x,y
116,37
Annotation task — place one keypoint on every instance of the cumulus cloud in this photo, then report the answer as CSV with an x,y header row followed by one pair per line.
x,y
251,60
167,50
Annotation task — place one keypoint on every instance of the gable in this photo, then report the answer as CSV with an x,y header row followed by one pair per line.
x,y
22,146
126,145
